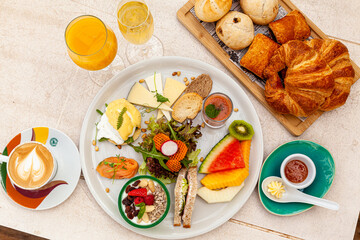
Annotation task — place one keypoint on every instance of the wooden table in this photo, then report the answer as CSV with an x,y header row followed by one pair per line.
x,y
42,86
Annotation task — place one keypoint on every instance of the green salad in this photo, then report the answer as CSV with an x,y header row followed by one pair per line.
x,y
154,161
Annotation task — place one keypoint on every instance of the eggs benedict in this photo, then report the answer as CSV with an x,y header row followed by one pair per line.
x,y
120,122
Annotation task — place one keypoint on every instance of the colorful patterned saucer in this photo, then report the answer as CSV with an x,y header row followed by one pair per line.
x,y
65,180
325,171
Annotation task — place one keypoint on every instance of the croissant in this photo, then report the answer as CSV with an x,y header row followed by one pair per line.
x,y
308,80
336,55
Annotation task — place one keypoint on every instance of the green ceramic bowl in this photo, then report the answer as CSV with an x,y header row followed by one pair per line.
x,y
325,171
122,208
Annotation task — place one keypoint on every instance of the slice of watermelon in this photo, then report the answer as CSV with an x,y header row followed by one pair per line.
x,y
226,154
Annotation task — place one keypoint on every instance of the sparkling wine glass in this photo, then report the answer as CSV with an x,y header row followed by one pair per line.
x,y
136,24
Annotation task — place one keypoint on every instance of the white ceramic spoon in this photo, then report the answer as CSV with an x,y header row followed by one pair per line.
x,y
293,195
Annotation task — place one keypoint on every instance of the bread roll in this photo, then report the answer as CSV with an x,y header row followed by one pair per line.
x,y
236,30
262,12
212,10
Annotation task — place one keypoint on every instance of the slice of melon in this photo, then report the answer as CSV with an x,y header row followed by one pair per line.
x,y
226,154
232,177
218,196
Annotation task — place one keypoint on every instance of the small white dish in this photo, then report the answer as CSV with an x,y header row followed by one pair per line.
x,y
310,167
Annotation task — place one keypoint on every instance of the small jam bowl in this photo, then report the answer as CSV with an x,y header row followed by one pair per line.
x,y
123,194
310,167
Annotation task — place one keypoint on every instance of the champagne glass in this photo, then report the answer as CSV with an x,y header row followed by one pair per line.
x,y
136,24
92,45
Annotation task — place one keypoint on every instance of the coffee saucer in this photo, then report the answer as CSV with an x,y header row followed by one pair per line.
x,y
65,180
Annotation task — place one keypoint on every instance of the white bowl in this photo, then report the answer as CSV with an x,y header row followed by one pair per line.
x,y
310,166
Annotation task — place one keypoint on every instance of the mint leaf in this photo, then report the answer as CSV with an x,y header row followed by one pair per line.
x,y
121,118
211,111
142,209
161,98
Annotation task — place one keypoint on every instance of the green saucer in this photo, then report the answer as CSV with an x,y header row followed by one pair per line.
x,y
325,172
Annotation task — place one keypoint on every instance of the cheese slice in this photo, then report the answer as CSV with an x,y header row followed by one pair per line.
x,y
172,90
154,83
141,96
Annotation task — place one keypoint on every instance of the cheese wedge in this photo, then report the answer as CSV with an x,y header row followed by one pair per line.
x,y
141,96
154,83
172,90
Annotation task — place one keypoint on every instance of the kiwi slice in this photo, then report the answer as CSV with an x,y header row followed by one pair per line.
x,y
241,130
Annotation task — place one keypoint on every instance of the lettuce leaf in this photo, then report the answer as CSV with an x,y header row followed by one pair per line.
x,y
193,157
143,168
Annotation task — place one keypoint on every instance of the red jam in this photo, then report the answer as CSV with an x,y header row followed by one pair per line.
x,y
296,171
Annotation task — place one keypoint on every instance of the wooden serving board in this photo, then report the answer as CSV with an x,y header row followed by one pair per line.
x,y
293,124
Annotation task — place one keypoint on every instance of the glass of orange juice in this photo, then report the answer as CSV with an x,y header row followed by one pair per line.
x,y
136,24
92,45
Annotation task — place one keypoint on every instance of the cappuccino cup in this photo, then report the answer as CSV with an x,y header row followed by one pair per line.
x,y
30,165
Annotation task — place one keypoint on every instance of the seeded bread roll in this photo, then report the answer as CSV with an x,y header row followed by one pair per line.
x,y
236,30
187,107
262,12
212,10
202,85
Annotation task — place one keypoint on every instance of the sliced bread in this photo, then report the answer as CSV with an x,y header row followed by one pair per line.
x,y
187,107
202,85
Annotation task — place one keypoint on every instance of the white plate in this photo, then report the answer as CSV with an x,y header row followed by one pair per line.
x,y
206,217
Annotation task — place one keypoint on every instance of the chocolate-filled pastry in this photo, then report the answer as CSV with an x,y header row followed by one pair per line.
x,y
259,54
291,27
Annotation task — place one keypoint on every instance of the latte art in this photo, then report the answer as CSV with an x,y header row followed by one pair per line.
x,y
30,165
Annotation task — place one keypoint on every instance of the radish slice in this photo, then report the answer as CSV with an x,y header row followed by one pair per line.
x,y
169,148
